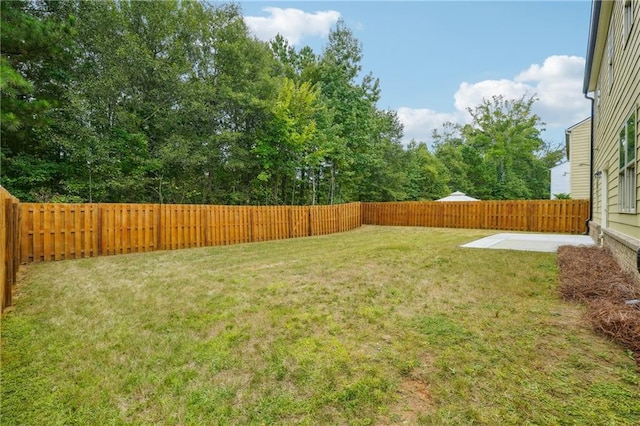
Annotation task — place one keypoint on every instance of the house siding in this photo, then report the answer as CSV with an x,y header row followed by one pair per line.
x,y
618,100
615,107
579,142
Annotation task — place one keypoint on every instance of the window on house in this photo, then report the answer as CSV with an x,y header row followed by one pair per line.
x,y
610,45
627,18
627,184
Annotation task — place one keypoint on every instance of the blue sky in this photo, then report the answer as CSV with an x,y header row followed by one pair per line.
x,y
436,58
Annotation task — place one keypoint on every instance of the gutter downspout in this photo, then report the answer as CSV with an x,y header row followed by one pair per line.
x,y
596,7
591,155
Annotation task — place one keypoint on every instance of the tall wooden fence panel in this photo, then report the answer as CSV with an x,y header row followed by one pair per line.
x,y
71,231
59,231
9,245
558,216
126,228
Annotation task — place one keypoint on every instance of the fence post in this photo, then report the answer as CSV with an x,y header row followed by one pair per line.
x,y
17,238
251,222
159,223
98,231
8,253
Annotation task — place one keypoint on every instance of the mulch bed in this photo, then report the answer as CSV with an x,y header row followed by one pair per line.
x,y
591,275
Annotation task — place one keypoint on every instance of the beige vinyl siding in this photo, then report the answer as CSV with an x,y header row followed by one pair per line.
x,y
615,108
579,142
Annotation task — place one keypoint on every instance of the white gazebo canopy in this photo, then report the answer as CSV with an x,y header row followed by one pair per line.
x,y
458,196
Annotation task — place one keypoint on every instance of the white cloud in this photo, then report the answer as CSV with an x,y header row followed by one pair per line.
x,y
420,123
469,95
292,24
557,84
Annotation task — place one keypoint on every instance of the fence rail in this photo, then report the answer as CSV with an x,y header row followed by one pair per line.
x,y
558,216
72,231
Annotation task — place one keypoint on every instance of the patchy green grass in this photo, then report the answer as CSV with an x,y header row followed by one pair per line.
x,y
379,325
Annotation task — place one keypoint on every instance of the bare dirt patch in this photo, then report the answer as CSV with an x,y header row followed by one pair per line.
x,y
592,275
414,400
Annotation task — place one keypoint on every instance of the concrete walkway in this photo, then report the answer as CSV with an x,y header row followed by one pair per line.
x,y
530,242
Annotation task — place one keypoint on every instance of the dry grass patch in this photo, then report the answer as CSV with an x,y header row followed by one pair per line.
x,y
379,325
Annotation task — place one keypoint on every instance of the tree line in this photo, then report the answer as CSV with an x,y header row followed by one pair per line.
x,y
176,102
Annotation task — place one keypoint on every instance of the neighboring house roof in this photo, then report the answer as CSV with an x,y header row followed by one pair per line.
x,y
578,142
569,129
567,136
458,196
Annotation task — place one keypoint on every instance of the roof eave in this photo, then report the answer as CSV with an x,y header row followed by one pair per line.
x,y
571,128
598,30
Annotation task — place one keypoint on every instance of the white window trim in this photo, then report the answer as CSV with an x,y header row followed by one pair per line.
x,y
627,185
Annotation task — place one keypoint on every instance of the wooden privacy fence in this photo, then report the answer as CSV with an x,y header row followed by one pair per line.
x,y
559,216
72,231
9,245
35,232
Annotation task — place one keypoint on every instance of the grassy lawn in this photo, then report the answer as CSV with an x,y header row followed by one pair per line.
x,y
379,325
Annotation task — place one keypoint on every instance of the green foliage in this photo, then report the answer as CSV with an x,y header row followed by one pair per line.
x,y
283,143
427,174
500,155
562,196
128,101
35,55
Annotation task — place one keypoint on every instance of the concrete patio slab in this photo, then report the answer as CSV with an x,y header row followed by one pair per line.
x,y
530,242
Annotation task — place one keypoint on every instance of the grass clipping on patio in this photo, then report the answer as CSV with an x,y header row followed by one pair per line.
x,y
591,275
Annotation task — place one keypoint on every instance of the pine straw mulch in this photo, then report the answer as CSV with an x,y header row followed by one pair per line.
x,y
591,275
